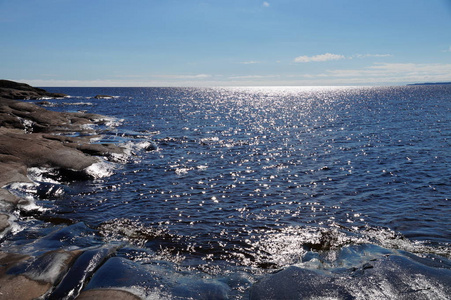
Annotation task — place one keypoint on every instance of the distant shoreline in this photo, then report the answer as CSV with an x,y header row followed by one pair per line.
x,y
431,83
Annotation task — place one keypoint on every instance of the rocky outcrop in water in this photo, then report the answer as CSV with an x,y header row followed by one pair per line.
x,y
103,97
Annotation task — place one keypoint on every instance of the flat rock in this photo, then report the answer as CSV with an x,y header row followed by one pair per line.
x,y
34,118
26,278
107,294
35,151
22,288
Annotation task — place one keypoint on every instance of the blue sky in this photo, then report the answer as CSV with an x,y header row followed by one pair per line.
x,y
221,43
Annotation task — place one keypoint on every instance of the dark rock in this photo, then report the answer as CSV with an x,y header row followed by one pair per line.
x,y
388,277
298,283
120,273
16,90
161,282
103,97
152,146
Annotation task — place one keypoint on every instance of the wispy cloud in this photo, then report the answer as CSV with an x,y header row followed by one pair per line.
x,y
254,76
265,4
370,55
251,62
330,56
177,76
320,57
392,72
447,50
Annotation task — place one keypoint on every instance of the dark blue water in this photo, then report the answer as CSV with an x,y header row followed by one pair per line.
x,y
251,178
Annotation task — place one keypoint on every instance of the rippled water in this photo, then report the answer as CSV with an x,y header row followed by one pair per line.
x,y
256,177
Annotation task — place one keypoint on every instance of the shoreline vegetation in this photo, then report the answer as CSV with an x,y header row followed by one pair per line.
x,y
31,136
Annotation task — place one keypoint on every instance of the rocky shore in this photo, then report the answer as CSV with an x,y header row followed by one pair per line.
x,y
22,91
33,137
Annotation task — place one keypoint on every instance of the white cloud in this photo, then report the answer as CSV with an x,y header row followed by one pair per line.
x,y
392,72
320,57
265,4
371,55
250,62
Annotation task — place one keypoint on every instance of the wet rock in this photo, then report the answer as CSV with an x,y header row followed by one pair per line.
x,y
387,277
107,294
82,269
61,236
298,283
120,273
27,278
10,259
153,281
4,224
100,149
49,267
103,97
151,146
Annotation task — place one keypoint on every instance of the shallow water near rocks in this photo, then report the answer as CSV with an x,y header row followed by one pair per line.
x,y
227,181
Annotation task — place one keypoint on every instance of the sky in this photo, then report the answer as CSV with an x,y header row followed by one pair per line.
x,y
225,42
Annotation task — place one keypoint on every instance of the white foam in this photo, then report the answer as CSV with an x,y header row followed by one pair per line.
x,y
110,122
210,139
23,187
31,205
118,157
182,171
39,174
78,103
100,170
